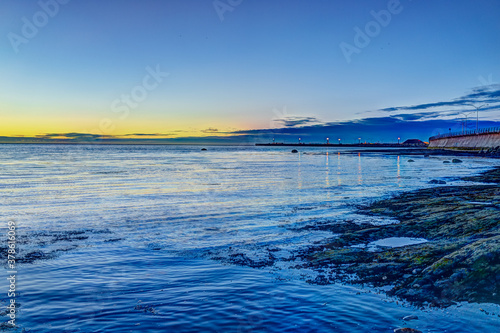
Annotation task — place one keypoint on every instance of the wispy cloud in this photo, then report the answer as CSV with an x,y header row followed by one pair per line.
x,y
210,130
72,136
149,134
87,136
479,95
424,115
297,121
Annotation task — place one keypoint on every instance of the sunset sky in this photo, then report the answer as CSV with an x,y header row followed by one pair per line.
x,y
209,69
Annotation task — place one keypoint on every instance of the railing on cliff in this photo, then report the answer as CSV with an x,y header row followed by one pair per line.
x,y
490,130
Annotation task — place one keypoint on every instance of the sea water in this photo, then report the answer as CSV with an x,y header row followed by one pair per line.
x,y
126,238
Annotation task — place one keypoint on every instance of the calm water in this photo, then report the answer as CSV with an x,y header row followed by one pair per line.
x,y
129,237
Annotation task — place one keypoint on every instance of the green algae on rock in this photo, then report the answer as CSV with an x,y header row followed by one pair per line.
x,y
460,261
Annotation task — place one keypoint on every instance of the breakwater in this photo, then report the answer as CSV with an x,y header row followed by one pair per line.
x,y
483,138
336,145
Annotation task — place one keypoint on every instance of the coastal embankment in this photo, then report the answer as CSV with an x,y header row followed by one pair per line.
x,y
481,139
452,252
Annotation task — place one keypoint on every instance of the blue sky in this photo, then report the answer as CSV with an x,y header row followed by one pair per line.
x,y
240,66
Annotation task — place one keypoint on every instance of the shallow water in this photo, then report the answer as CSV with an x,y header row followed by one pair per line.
x,y
391,242
130,234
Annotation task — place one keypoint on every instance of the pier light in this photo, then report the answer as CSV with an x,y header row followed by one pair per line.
x,y
299,140
359,140
327,140
477,113
466,115
399,140
339,141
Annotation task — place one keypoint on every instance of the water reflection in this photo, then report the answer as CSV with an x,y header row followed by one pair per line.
x,y
360,170
327,180
339,168
299,175
398,179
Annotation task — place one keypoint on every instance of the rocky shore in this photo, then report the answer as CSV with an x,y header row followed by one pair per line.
x,y
455,254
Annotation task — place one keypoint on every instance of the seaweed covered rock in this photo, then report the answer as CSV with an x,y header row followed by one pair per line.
x,y
459,262
469,274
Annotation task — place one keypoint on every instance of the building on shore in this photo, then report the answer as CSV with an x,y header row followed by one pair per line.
x,y
414,143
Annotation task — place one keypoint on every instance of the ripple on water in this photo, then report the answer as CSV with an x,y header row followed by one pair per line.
x,y
159,202
123,287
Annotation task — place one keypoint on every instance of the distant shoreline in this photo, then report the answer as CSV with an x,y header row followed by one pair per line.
x,y
337,145
125,144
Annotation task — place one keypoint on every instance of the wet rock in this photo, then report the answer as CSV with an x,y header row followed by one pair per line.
x,y
436,181
446,161
295,151
460,261
410,317
203,149
456,160
468,273
411,161
406,330
493,151
336,228
492,176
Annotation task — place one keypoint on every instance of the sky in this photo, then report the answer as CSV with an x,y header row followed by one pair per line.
x,y
232,71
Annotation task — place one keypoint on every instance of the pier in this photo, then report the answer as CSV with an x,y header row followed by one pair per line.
x,y
334,145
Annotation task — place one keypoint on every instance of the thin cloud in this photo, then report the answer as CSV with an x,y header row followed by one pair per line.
x,y
149,134
424,115
210,130
484,94
297,121
72,136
